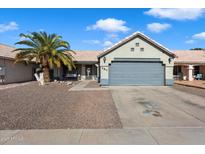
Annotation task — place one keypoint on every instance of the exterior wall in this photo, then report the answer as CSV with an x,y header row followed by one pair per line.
x,y
124,52
19,72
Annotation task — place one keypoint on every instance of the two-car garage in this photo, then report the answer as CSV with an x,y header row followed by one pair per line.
x,y
136,73
136,60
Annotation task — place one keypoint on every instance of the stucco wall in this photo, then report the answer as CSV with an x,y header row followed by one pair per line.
x,y
16,72
149,52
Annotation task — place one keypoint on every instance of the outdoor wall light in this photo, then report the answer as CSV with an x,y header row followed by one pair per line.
x,y
104,59
170,59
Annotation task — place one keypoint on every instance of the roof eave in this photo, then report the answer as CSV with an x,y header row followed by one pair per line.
x,y
8,58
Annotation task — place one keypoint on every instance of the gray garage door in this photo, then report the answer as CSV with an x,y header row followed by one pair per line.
x,y
136,73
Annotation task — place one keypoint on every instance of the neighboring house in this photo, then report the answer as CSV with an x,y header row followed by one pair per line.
x,y
189,64
86,63
10,72
136,60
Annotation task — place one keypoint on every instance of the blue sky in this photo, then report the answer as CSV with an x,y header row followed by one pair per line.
x,y
97,29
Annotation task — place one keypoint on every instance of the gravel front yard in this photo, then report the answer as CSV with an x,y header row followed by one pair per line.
x,y
54,107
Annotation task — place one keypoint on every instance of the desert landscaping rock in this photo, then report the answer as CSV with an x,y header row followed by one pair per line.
x,y
54,107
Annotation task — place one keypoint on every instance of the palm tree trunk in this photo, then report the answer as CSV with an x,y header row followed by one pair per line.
x,y
46,74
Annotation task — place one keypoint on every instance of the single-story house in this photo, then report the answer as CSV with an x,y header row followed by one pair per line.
x,y
136,60
189,64
10,72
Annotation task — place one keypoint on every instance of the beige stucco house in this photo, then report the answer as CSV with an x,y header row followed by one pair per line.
x,y
10,72
189,64
136,60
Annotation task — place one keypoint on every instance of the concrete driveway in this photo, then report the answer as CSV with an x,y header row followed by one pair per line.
x,y
158,107
168,115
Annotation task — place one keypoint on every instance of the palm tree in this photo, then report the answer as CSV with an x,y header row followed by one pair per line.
x,y
47,50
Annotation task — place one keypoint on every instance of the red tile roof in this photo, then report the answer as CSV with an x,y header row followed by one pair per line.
x,y
190,56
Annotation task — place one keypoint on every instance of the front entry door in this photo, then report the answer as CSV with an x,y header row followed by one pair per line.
x,y
88,72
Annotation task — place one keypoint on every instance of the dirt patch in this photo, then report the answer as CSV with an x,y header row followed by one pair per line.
x,y
93,84
54,107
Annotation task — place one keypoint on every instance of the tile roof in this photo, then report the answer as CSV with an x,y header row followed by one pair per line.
x,y
6,51
190,56
132,36
86,56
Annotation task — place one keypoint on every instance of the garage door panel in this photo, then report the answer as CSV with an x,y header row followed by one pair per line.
x,y
136,73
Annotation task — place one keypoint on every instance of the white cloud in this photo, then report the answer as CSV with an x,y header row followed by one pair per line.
x,y
41,30
107,44
112,36
176,14
109,25
200,36
190,41
158,27
8,27
91,42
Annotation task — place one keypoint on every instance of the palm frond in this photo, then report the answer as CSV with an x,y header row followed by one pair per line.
x,y
46,49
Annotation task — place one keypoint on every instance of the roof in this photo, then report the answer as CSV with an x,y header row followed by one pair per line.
x,y
80,56
6,51
131,37
189,56
86,56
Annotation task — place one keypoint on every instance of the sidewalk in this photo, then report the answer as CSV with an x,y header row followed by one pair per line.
x,y
154,135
